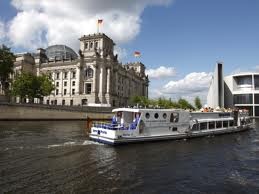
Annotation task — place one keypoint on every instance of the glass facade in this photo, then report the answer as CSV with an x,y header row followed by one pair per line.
x,y
256,81
256,98
244,80
256,110
243,99
60,52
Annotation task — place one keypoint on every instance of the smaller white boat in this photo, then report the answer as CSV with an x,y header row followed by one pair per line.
x,y
137,125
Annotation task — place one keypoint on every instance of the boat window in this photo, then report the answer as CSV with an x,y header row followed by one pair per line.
x,y
203,126
174,118
119,114
212,125
225,124
164,115
174,129
156,115
147,115
219,124
231,123
195,127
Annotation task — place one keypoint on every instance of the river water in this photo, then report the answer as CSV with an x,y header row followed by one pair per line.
x,y
57,157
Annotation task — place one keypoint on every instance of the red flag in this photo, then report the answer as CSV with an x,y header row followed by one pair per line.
x,y
100,21
137,54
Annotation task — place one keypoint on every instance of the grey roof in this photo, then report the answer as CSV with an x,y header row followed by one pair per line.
x,y
60,52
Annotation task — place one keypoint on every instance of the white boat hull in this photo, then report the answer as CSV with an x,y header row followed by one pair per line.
x,y
125,140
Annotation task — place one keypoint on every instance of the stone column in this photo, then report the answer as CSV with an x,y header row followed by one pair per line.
x,y
69,83
108,80
77,87
94,81
101,85
61,82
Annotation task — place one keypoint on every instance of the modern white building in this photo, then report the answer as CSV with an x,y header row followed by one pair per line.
x,y
240,90
94,77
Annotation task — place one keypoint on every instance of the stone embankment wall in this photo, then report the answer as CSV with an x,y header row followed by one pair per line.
x,y
45,112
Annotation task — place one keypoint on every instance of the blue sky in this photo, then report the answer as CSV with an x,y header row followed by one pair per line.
x,y
184,37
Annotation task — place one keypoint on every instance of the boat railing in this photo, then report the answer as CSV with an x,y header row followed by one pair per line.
x,y
112,126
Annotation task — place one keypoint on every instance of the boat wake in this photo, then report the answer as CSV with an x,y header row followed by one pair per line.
x,y
73,143
65,144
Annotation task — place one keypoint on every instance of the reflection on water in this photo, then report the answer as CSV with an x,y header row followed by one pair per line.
x,y
44,157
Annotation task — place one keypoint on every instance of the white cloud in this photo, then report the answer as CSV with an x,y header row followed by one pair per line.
x,y
121,52
41,23
192,85
2,30
161,72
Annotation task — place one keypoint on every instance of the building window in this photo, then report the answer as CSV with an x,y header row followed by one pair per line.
x,y
243,99
65,91
73,74
256,81
63,102
57,75
89,73
57,84
256,99
47,102
73,83
244,80
65,75
86,45
56,91
71,102
84,101
88,88
65,83
96,45
91,45
73,91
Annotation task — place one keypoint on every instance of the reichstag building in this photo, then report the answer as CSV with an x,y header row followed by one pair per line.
x,y
93,77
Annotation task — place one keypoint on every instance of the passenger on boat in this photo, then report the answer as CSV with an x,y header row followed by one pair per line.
x,y
114,120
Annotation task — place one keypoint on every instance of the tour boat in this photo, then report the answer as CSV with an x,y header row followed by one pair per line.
x,y
130,125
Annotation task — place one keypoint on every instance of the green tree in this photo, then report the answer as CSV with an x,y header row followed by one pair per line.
x,y
7,59
197,102
139,100
46,86
135,100
27,85
184,104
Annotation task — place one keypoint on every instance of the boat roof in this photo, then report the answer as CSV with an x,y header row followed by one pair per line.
x,y
143,109
125,110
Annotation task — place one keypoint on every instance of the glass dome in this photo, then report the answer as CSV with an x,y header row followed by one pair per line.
x,y
60,52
